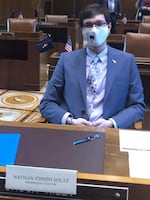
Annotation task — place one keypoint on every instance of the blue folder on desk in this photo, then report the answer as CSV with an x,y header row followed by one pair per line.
x,y
9,143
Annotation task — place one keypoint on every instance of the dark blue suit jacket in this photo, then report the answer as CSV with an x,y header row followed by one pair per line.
x,y
66,91
118,5
141,3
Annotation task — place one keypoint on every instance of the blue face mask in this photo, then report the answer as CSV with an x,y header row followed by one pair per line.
x,y
95,36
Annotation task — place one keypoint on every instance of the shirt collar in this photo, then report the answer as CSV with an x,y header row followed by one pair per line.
x,y
101,55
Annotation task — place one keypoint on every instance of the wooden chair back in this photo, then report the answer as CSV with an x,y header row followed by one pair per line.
x,y
21,25
144,28
137,44
146,19
56,18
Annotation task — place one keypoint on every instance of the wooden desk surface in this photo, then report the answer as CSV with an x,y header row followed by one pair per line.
x,y
145,60
115,165
143,65
55,55
35,36
54,148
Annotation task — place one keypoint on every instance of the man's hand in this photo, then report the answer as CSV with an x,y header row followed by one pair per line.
x,y
124,20
103,123
81,122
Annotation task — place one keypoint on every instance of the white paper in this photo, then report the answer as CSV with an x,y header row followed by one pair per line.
x,y
137,144
134,140
139,164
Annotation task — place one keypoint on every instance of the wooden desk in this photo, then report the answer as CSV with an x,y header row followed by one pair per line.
x,y
116,171
53,59
54,148
130,26
60,33
116,41
143,64
21,64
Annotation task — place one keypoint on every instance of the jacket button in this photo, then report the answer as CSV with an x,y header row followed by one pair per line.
x,y
83,112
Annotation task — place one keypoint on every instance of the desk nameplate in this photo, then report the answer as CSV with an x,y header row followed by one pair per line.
x,y
38,179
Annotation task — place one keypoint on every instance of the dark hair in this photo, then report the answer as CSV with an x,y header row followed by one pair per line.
x,y
92,10
12,14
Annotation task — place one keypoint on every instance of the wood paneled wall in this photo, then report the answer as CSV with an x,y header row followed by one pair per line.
x,y
128,6
28,7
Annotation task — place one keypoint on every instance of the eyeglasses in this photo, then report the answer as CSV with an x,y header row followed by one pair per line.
x,y
97,23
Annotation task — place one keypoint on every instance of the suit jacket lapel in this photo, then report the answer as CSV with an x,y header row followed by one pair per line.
x,y
81,64
112,62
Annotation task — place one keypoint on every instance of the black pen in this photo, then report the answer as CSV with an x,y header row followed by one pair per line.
x,y
89,138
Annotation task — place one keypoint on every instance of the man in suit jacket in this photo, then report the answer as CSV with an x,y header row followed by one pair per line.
x,y
115,10
143,8
95,86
